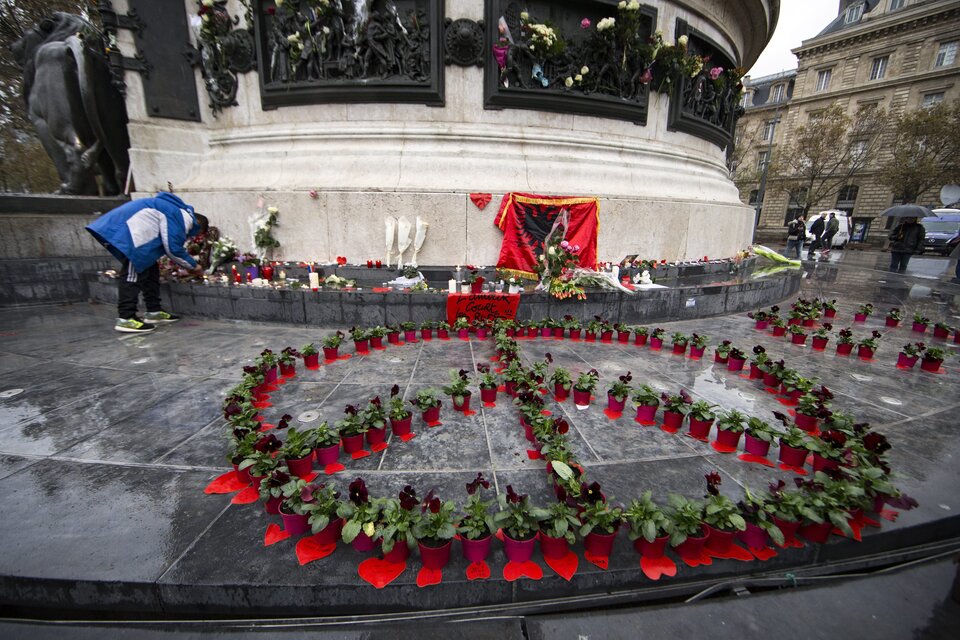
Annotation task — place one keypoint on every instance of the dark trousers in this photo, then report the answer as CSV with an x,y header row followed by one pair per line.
x,y
899,261
146,282
813,246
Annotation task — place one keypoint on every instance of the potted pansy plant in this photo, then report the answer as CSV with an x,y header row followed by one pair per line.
x,y
730,425
821,336
722,352
758,436
409,331
351,429
573,326
361,339
297,450
920,322
562,383
640,335
476,524
443,330
375,336
361,516
845,342
395,532
798,334
520,522
618,393
736,359
779,327
760,526
271,489
331,345
458,390
327,444
646,399
400,416
687,532
321,509
702,415
599,522
721,515
429,404
894,317
375,420
584,386
909,355
932,359
649,526
462,326
297,494
675,409
656,338
679,341
868,346
288,362
435,531
311,356
698,344
558,530
829,308
489,383
941,330
863,311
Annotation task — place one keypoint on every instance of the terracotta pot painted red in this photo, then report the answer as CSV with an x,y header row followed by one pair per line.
x,y
844,349
575,333
590,336
808,322
805,422
606,336
656,343
647,412
330,534
798,338
719,541
330,353
673,419
581,398
760,325
640,339
615,405
755,446
679,347
270,375
697,352
363,543
410,336
719,358
294,523
903,360
432,414
488,395
399,553
693,545
735,364
426,334
352,444
401,427
700,428
301,467
779,332
728,438
443,334
919,327
288,370
821,464
789,528
623,336
272,505
552,547
518,550
771,380
940,332
600,544
654,549
829,313
755,371
890,322
930,364
435,557
376,436
327,455
819,344
864,352
361,345
817,532
859,317
311,361
791,456
476,550
393,337
754,537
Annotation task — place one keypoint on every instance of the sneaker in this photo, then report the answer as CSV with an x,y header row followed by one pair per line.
x,y
160,317
132,325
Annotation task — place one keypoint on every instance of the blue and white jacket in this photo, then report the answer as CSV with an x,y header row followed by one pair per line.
x,y
146,229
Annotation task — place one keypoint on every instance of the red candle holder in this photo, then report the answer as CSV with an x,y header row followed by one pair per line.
x,y
369,264
379,264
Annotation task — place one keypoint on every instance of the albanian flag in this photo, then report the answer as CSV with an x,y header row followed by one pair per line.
x,y
526,219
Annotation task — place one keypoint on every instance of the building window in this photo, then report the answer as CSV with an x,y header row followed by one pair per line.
x,y
931,100
896,4
879,68
769,129
853,14
947,54
776,95
858,151
823,79
763,159
798,199
847,198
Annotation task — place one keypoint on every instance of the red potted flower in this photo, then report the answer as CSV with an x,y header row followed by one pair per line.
x,y
361,342
393,334
475,525
489,382
400,416
656,338
301,501
722,353
932,359
375,420
845,342
646,399
623,333
429,404
797,334
730,426
462,326
640,335
476,282
675,408
821,336
351,429
909,355
311,356
297,450
868,346
288,362
649,526
760,319
409,331
760,527
941,330
267,361
701,419
863,311
435,531
327,445
679,342
894,316
426,329
584,387
786,510
757,437
779,327
458,390
572,325
687,531
558,530
562,383
400,517
721,516
375,335
829,308
321,510
599,521
698,344
736,359
810,409
361,517
520,521
443,330
271,490
828,449
826,509
331,345
759,363
793,447
618,393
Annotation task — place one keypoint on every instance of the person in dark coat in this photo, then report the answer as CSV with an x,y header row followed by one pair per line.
x,y
138,234
796,232
906,239
816,230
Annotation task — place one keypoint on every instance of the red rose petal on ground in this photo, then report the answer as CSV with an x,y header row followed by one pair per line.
x,y
655,568
749,457
613,415
435,423
226,483
513,571
478,571
357,455
735,552
533,454
274,534
333,467
309,550
763,554
407,437
667,429
565,567
247,496
380,446
427,577
601,561
380,573
722,448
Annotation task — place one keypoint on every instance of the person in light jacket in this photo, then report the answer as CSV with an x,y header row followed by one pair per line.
x,y
138,233
906,239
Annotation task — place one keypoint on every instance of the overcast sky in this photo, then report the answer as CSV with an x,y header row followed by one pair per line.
x,y
799,20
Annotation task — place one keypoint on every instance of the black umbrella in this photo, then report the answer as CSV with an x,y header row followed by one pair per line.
x,y
907,211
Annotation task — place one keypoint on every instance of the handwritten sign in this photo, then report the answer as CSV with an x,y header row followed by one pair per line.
x,y
483,306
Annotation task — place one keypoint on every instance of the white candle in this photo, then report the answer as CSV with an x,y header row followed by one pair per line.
x,y
452,285
283,275
314,280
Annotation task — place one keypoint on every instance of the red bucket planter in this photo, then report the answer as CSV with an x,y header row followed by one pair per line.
x,y
463,334
789,528
600,544
551,547
719,358
488,395
864,352
393,337
908,362
301,467
272,505
615,405
435,557
426,334
654,549
575,334
656,343
829,313
590,336
463,405
352,444
779,332
288,370
527,430
823,464
771,380
791,456
755,371
940,332
735,364
363,543
361,345
679,348
481,333
376,436
697,352
817,532
560,392
327,455
844,349
270,375
930,364
581,398
760,325
311,361
700,428
798,338
859,317
890,322
728,438
754,537
510,388
443,334
672,419
518,550
805,422
243,475
819,344
640,339
647,412
606,336
808,322
755,446
294,523
533,332
919,327
330,534
410,336
398,554
623,337
476,287
793,321
330,353
546,332
432,414
476,550
693,545
719,541
558,333
401,427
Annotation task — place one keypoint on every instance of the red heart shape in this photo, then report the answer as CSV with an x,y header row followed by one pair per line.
x,y
308,550
749,457
481,200
407,437
655,568
478,571
435,423
377,448
274,535
247,496
515,570
602,562
226,483
379,572
613,415
427,577
564,567
735,552
889,514
763,554
546,412
357,455
332,468
469,412
722,448
667,429
695,560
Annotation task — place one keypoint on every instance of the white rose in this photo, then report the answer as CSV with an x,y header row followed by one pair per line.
x,y
524,16
584,70
273,210
622,5
578,78
293,37
568,82
552,251
208,3
633,5
682,41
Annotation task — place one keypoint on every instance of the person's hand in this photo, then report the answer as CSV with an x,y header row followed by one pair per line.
x,y
196,271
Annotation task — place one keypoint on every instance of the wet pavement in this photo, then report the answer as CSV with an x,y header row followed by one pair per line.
x,y
107,450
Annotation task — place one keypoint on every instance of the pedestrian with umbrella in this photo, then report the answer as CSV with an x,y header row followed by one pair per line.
x,y
906,238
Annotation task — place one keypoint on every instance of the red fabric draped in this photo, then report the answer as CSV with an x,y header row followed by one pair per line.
x,y
526,219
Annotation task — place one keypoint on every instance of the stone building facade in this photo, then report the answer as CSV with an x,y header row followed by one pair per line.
x,y
898,55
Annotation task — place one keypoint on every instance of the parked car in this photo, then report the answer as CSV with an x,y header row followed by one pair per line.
x,y
842,237
943,231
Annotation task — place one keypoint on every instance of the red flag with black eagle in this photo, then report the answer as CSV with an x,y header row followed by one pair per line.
x,y
526,219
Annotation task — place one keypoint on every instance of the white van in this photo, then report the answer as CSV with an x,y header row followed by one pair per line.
x,y
843,233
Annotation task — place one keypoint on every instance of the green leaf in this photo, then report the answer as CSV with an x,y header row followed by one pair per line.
x,y
738,522
562,469
649,531
318,522
350,530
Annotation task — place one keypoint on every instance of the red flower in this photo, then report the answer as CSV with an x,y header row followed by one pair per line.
x,y
591,492
268,444
562,426
408,498
394,390
478,482
713,482
512,496
358,492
